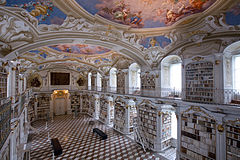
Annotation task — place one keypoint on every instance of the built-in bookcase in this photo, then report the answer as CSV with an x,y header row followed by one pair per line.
x,y
43,109
199,82
103,109
198,137
3,83
233,141
75,103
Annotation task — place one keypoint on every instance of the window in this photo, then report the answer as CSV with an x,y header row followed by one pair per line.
x,y
113,80
176,77
171,76
236,72
134,78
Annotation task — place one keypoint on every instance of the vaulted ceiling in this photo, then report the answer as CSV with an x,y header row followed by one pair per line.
x,y
154,27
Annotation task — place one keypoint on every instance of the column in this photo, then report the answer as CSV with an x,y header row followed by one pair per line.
x,y
220,141
13,87
110,111
35,106
157,143
9,82
179,124
97,106
25,83
219,78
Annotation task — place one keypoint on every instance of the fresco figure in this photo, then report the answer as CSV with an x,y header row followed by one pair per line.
x,y
136,19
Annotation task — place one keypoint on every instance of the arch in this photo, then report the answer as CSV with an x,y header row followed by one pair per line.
x,y
113,80
171,71
54,38
134,78
231,58
232,49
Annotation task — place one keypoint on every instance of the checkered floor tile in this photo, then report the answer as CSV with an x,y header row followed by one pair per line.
x,y
78,141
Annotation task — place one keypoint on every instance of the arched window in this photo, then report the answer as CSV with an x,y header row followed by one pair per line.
x,y
113,80
231,66
236,72
89,80
99,82
171,76
134,78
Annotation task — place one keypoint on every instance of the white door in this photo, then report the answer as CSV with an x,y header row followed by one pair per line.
x,y
60,106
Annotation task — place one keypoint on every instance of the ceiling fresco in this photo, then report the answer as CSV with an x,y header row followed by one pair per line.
x,y
233,15
81,49
145,13
81,56
155,41
43,10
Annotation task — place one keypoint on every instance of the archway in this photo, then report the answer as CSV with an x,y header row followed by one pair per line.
x,y
171,76
134,78
231,73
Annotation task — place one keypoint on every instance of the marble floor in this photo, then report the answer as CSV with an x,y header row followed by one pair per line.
x,y
78,141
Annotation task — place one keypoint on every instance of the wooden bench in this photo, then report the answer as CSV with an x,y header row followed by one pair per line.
x,y
56,147
100,133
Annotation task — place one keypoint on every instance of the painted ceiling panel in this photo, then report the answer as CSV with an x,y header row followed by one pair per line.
x,y
155,41
145,13
43,10
82,49
233,15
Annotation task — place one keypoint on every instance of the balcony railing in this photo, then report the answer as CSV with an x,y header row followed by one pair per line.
x,y
215,96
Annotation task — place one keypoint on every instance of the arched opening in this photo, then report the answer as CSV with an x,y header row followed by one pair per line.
x,y
89,80
171,76
113,80
134,78
98,82
231,67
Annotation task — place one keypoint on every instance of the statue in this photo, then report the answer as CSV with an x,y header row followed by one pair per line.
x,y
35,82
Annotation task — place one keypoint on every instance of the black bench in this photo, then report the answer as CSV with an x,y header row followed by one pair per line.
x,y
56,146
100,133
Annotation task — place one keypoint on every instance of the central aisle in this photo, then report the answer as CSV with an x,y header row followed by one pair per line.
x,y
79,142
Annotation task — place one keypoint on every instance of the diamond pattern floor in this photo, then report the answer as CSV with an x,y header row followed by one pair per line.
x,y
79,142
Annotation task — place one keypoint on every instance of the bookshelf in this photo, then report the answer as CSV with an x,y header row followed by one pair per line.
x,y
198,137
121,82
132,115
103,109
148,119
3,83
92,106
85,103
31,113
166,130
199,81
233,141
75,103
5,118
147,81
120,120
43,109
